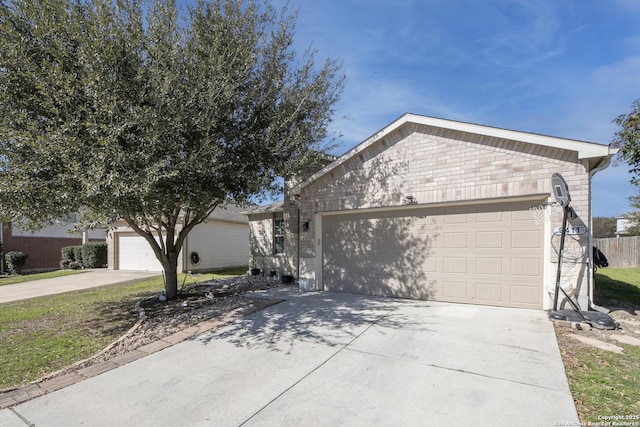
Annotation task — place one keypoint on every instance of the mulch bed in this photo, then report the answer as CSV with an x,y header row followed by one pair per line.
x,y
195,303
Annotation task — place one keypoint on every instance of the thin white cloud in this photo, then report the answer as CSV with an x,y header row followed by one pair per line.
x,y
521,33
370,104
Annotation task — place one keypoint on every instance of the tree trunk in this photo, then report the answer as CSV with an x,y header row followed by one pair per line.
x,y
171,274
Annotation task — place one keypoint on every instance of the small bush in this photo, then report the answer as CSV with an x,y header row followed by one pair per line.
x,y
77,255
15,260
71,254
94,255
67,253
89,255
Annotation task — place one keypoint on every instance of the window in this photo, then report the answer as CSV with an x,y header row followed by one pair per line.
x,y
278,235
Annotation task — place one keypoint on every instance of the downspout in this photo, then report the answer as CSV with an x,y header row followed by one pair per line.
x,y
590,287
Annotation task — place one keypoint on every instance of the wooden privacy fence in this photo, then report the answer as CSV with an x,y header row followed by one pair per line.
x,y
621,252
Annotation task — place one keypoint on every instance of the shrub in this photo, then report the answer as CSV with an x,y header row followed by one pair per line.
x,y
67,253
71,254
89,255
77,255
15,260
94,255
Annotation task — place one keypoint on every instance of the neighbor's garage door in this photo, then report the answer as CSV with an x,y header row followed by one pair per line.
x,y
134,253
480,254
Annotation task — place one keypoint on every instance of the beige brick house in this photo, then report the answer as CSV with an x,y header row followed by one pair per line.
x,y
437,209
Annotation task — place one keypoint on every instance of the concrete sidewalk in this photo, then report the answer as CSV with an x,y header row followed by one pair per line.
x,y
74,282
328,359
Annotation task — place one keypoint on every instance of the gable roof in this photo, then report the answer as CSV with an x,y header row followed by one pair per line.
x,y
229,213
584,149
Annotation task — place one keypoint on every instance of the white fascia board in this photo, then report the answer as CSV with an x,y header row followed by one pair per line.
x,y
584,149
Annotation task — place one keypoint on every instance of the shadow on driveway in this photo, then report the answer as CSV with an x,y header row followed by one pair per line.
x,y
326,318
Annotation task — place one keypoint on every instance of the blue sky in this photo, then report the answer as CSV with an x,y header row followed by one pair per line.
x,y
563,68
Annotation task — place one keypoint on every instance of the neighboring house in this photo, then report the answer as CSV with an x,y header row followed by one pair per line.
x,y
44,247
221,241
622,224
437,209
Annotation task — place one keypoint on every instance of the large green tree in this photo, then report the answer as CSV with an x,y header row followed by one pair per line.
x,y
627,139
124,109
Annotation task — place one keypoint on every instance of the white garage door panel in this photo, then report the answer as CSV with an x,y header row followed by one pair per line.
x,y
475,254
134,253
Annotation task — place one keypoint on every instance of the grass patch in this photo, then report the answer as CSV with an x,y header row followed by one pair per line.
x,y
602,382
618,285
10,280
41,335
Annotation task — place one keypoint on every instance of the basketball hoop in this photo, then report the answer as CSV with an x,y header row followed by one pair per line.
x,y
543,212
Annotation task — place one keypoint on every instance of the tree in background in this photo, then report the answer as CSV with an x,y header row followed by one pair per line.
x,y
628,140
604,227
144,112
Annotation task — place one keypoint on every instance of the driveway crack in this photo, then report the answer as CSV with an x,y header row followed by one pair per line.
x,y
26,421
459,370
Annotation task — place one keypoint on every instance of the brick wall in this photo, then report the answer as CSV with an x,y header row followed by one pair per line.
x,y
42,252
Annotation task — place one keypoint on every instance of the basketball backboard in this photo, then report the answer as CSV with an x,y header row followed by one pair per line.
x,y
560,189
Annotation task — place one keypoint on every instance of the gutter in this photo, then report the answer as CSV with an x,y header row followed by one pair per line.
x,y
591,280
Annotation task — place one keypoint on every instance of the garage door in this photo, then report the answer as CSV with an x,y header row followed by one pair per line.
x,y
134,253
480,254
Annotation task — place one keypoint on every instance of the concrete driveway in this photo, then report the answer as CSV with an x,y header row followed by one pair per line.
x,y
74,282
327,359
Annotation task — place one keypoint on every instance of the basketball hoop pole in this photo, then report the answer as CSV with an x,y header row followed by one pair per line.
x,y
565,210
565,216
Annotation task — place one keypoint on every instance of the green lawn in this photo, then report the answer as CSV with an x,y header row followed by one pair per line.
x,y
618,284
10,280
42,335
602,382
